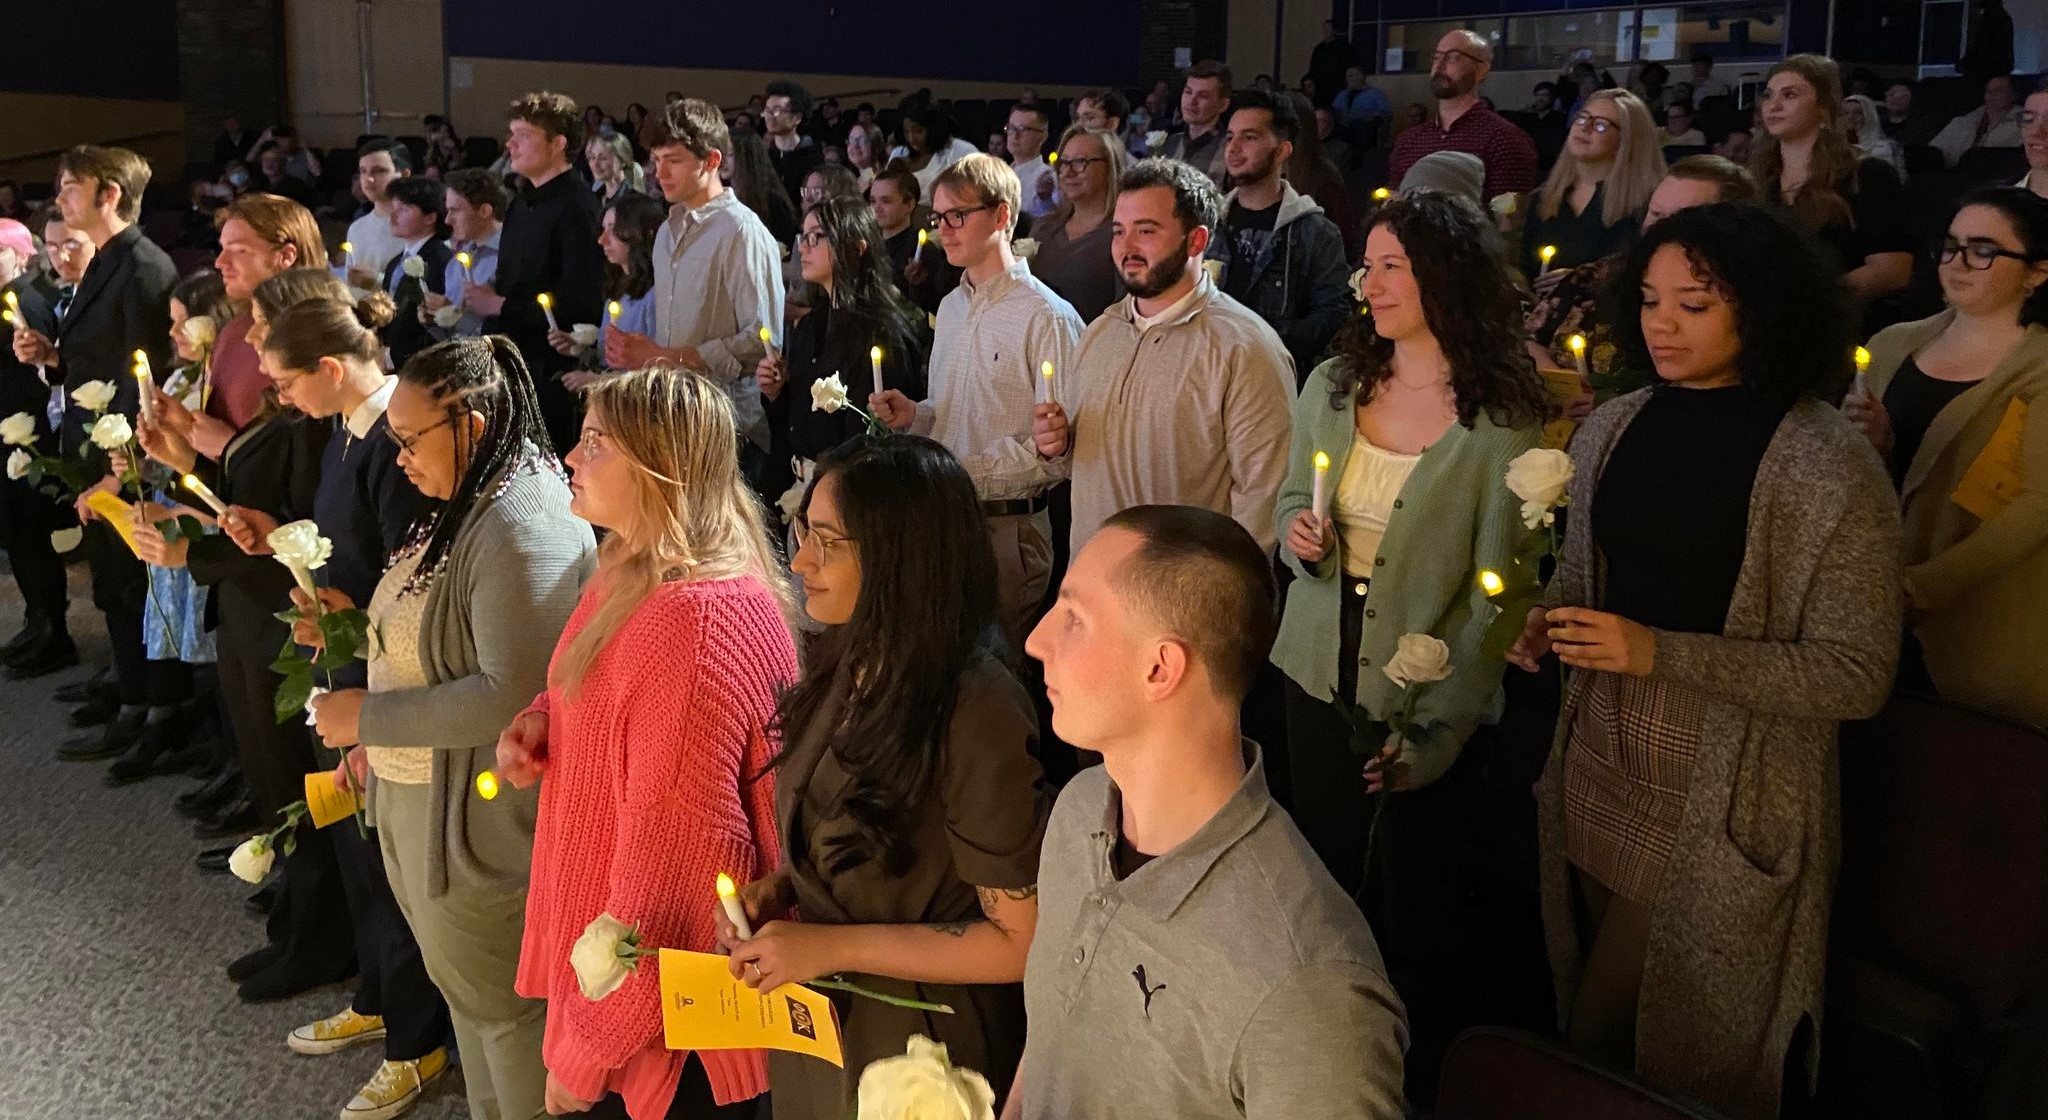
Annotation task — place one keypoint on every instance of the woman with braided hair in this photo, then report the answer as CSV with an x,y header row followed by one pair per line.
x,y
467,612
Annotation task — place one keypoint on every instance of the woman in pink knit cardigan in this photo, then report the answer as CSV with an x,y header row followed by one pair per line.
x,y
652,735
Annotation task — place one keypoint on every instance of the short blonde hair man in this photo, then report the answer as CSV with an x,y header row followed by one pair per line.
x,y
988,179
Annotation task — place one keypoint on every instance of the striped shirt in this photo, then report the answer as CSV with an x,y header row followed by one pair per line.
x,y
985,378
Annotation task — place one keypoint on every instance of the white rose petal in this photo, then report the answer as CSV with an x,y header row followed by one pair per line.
x,y
300,547
1539,477
111,432
828,394
1358,285
1215,270
18,430
447,317
1503,204
17,464
1025,248
94,396
1419,659
923,1084
1155,140
414,267
584,335
200,331
791,500
251,860
595,957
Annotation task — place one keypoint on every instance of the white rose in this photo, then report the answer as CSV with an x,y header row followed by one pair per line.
x,y
94,396
447,317
1539,477
791,500
584,335
17,464
199,332
1155,140
595,957
1025,248
300,547
1419,659
923,1084
1503,204
414,267
828,394
18,430
1215,270
251,859
111,432
1358,285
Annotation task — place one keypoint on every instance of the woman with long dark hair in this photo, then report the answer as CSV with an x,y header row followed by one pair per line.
x,y
626,234
1944,395
466,612
759,186
842,252
1420,411
1728,591
653,733
909,804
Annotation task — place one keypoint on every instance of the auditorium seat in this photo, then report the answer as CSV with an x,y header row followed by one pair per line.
x,y
1924,159
481,151
1675,152
1981,166
1939,955
1494,1073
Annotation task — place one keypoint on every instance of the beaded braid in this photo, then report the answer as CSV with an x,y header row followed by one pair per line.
x,y
486,376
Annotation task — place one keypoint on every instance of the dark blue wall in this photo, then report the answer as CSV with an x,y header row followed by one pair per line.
x,y
102,48
1034,43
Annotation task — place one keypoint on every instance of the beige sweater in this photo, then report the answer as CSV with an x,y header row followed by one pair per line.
x,y
1978,606
1196,411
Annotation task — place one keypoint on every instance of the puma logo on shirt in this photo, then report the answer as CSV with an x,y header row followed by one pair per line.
x,y
1138,974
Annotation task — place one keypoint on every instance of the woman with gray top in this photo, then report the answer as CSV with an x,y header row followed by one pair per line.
x,y
468,613
1728,592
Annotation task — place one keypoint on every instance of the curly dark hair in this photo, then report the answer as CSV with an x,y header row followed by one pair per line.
x,y
1791,309
926,612
1473,306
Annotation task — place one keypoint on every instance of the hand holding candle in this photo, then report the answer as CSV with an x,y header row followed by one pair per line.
x,y
875,358
729,900
547,308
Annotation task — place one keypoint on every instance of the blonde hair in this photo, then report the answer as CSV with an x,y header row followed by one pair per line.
x,y
698,520
622,153
1832,166
279,222
988,178
1638,164
1112,150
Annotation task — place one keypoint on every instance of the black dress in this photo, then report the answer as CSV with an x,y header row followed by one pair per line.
x,y
1911,402
827,342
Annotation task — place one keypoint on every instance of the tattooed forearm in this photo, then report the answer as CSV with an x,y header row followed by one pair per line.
x,y
1021,894
991,900
955,929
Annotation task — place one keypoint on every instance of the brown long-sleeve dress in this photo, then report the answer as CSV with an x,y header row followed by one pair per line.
x,y
981,826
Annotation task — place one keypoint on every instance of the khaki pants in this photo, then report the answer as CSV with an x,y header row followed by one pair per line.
x,y
1023,544
469,939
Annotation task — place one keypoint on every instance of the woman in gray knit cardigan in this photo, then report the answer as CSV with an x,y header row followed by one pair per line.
x,y
1728,591
468,614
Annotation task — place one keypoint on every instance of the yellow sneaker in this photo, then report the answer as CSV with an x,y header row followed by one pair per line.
x,y
395,1088
338,1031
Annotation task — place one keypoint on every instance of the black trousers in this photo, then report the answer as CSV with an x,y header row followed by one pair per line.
x,y
1326,780
391,979
119,584
29,519
693,1101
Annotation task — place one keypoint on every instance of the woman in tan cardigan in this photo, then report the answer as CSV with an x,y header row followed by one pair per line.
x,y
1727,593
1947,401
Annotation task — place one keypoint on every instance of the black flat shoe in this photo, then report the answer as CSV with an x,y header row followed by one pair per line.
x,y
159,738
236,818
214,861
263,901
111,742
78,692
203,802
97,709
286,978
52,655
251,963
22,639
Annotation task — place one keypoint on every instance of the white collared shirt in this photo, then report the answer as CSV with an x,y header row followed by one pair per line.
x,y
1147,322
363,417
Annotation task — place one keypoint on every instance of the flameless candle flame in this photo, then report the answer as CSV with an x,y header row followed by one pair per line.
x,y
1544,254
144,385
1577,343
875,359
547,307
613,309
487,786
1382,194
13,302
922,237
463,260
1491,583
348,255
1318,504
205,494
1052,158
1862,359
729,899
7,313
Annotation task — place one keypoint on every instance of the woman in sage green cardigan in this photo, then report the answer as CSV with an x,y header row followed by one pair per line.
x,y
469,613
1436,386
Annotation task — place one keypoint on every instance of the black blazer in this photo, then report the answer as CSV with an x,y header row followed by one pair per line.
x,y
405,334
123,305
273,466
20,389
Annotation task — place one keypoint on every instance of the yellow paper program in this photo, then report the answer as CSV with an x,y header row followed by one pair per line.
x,y
1998,473
704,1008
324,803
115,512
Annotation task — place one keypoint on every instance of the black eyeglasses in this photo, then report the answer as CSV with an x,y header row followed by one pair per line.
x,y
406,444
812,238
1442,57
1601,125
1977,255
956,219
1081,163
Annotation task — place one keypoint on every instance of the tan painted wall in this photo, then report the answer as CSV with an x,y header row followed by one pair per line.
x,y
325,77
39,123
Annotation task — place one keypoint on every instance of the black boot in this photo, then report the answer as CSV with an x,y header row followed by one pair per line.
x,y
51,655
159,737
120,733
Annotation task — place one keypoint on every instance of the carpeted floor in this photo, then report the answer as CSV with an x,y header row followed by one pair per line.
x,y
113,1005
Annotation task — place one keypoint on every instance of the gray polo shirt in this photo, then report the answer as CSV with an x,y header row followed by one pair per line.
x,y
1229,977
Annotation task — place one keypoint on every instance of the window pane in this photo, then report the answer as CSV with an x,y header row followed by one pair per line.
x,y
1417,41
1728,31
1553,42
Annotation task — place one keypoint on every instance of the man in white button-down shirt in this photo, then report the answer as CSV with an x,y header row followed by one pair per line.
x,y
996,333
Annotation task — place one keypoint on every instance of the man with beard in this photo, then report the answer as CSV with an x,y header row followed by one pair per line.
x,y
1281,255
1180,395
1461,62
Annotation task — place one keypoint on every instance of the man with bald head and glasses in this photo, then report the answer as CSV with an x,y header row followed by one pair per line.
x,y
1462,124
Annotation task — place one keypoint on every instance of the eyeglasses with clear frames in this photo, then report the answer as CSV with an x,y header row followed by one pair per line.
x,y
1600,125
807,537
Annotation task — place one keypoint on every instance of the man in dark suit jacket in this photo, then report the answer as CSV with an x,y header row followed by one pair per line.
x,y
28,514
417,207
122,305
